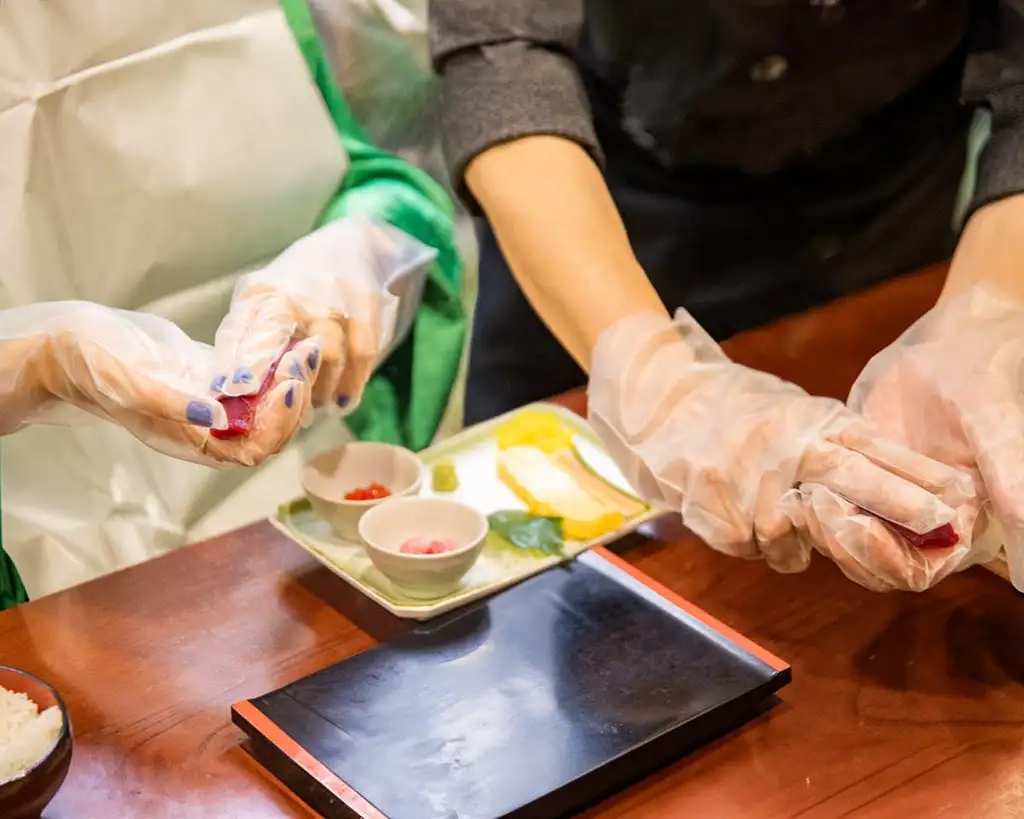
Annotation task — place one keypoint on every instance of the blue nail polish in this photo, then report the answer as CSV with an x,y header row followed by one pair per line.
x,y
243,375
297,371
313,359
343,401
199,414
289,397
217,385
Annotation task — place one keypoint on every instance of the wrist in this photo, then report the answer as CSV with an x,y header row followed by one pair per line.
x,y
24,366
990,253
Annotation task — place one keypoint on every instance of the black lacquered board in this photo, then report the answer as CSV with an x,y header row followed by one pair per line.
x,y
531,704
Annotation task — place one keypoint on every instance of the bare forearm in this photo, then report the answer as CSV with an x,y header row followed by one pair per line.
x,y
991,251
25,365
563,238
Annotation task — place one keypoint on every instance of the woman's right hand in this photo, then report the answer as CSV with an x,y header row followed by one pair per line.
x,y
730,447
141,372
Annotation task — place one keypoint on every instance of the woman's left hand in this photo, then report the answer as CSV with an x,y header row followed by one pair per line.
x,y
952,388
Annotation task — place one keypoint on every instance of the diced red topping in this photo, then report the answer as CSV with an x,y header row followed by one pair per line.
x,y
374,491
241,409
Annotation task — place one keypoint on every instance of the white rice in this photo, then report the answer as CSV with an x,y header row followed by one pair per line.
x,y
26,736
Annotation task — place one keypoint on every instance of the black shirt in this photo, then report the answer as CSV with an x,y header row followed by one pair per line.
x,y
794,95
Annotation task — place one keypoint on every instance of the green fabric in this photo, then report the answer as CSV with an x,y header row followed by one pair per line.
x,y
12,590
408,395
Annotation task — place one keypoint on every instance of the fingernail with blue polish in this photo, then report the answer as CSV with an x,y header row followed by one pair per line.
x,y
313,359
343,401
243,375
199,414
297,371
289,397
218,383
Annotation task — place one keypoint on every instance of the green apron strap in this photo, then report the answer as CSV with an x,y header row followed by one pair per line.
x,y
12,590
406,399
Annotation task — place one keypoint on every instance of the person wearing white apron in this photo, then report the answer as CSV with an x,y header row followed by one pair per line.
x,y
152,153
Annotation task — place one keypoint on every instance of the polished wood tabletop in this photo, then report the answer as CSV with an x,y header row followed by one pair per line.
x,y
901,705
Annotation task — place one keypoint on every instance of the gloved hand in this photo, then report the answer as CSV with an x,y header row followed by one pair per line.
x,y
139,371
951,388
352,285
728,446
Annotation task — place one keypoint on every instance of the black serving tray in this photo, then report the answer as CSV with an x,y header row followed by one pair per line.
x,y
530,704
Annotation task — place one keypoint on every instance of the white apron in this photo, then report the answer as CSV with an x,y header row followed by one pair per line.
x,y
150,151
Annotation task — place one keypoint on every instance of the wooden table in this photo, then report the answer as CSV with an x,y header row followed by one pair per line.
x,y
901,705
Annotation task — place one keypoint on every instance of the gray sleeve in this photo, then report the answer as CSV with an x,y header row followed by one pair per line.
x,y
507,70
994,79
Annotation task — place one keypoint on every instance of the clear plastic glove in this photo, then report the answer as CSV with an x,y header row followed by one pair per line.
x,y
951,387
352,286
139,371
727,446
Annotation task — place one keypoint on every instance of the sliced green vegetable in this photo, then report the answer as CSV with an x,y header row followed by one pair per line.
x,y
598,485
530,534
444,477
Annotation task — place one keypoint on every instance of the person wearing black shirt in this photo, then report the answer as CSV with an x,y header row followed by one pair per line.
x,y
746,160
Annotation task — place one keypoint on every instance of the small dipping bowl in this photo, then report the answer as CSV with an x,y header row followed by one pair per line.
x,y
423,577
27,796
331,475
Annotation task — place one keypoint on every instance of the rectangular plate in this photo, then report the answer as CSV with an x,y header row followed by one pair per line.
x,y
474,452
528,705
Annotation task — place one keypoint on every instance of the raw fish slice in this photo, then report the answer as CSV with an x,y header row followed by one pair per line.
x,y
241,409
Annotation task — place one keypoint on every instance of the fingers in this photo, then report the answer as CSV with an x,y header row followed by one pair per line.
x,y
820,511
363,352
711,510
277,420
770,519
279,413
869,552
168,403
992,417
97,377
150,398
953,486
350,352
303,363
789,553
250,339
872,487
336,368
993,421
278,417
784,548
333,361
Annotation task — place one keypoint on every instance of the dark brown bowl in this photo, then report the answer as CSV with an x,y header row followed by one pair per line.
x,y
27,796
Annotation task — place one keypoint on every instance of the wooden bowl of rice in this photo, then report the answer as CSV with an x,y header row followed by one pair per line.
x,y
35,744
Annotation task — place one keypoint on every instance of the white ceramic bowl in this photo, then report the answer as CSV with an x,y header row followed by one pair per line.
x,y
331,475
423,577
